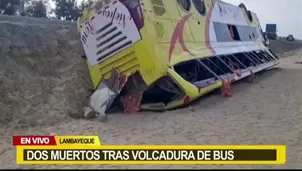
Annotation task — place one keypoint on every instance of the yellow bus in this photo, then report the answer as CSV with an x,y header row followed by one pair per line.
x,y
162,54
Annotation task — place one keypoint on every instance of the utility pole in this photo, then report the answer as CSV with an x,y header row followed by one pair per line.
x,y
21,6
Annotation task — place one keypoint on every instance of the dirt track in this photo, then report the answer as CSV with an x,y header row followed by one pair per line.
x,y
266,112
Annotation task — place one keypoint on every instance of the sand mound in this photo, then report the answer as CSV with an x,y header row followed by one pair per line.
x,y
42,76
284,47
43,79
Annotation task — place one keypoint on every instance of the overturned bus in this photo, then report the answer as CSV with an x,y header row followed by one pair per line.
x,y
161,54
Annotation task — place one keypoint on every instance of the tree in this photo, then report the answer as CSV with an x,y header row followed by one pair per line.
x,y
85,4
8,7
67,9
36,8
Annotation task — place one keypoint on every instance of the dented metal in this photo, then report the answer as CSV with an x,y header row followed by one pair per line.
x,y
142,55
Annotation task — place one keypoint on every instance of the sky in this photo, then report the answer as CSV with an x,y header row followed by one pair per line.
x,y
287,14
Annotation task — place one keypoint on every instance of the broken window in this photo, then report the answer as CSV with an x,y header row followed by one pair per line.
x,y
197,72
163,91
234,32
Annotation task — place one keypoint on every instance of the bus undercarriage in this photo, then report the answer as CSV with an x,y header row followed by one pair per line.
x,y
134,95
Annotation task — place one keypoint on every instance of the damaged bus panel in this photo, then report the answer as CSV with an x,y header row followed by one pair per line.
x,y
162,54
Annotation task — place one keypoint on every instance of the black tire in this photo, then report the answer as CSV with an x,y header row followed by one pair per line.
x,y
248,13
185,4
242,6
200,6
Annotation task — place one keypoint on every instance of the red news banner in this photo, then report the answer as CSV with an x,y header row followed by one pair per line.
x,y
88,150
34,140
55,140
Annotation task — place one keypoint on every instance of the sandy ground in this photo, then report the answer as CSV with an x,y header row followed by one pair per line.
x,y
268,111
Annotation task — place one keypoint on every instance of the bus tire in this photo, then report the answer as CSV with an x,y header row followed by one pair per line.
x,y
248,12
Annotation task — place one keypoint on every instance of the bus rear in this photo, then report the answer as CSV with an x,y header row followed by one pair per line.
x,y
118,57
